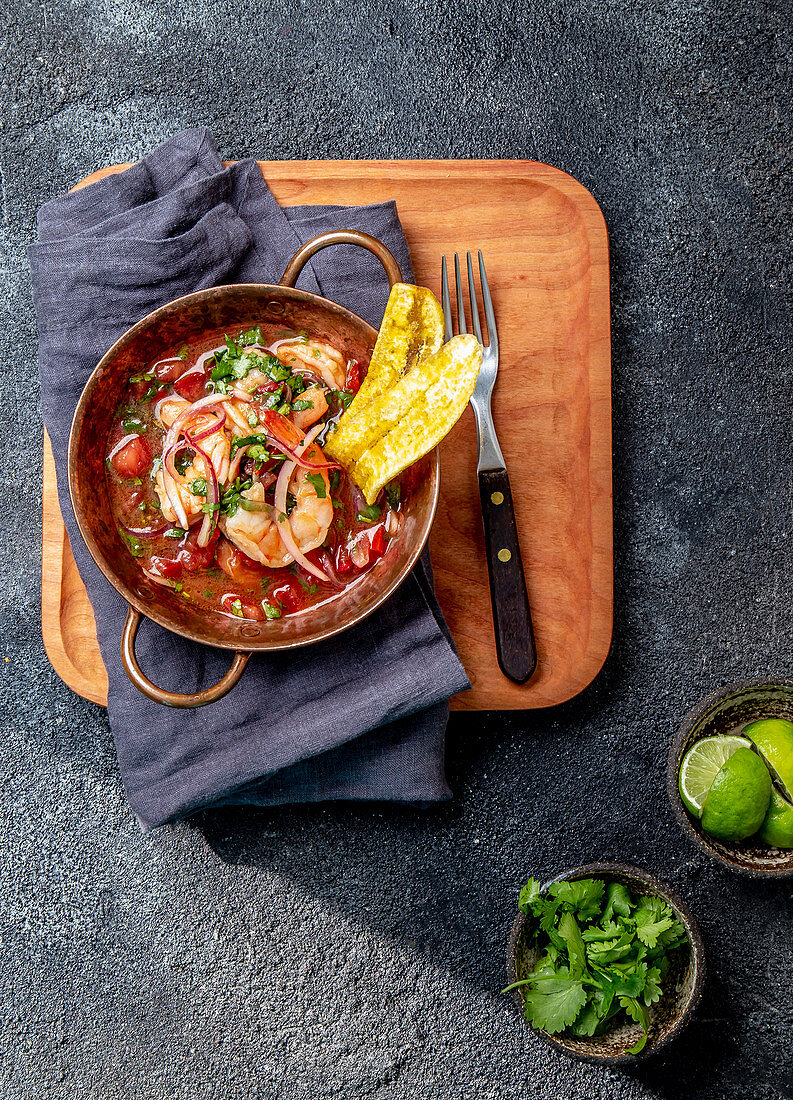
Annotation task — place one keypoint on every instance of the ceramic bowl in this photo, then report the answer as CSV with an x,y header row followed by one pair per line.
x,y
728,711
682,987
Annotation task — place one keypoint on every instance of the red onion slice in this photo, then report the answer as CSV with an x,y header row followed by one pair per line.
x,y
146,532
212,427
169,477
284,526
212,494
234,468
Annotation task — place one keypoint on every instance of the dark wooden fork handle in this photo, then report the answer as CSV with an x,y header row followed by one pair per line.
x,y
517,656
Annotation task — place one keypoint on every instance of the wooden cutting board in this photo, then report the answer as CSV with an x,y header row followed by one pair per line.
x,y
546,248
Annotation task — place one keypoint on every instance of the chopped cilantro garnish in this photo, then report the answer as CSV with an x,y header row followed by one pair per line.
x,y
393,493
133,424
265,583
253,419
183,352
178,586
134,545
175,533
142,377
136,481
250,336
230,500
334,480
183,460
208,508
257,445
208,593
301,406
318,481
198,487
344,396
236,607
369,513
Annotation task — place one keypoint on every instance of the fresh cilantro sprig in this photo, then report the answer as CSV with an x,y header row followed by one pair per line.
x,y
603,953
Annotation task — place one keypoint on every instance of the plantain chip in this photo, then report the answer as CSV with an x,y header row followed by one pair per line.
x,y
413,416
412,330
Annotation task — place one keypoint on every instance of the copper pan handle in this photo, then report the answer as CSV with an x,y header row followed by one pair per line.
x,y
173,698
341,236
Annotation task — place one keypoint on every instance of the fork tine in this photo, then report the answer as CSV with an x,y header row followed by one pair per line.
x,y
447,305
460,306
474,303
490,317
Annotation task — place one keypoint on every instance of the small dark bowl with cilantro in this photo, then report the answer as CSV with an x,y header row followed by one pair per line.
x,y
605,962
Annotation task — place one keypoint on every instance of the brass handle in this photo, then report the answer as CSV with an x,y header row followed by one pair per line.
x,y
341,236
173,698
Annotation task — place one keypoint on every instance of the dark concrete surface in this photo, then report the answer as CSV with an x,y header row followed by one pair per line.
x,y
348,951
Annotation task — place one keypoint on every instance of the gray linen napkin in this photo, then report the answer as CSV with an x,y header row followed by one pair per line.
x,y
362,716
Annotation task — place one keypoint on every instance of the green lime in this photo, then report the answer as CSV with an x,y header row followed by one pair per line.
x,y
777,828
774,740
737,802
700,766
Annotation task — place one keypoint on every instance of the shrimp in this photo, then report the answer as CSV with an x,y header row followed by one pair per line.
x,y
256,533
217,448
315,396
312,515
315,356
167,409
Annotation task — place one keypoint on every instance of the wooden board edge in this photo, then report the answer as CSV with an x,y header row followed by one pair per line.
x,y
55,548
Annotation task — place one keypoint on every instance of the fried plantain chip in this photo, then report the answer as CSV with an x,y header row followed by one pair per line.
x,y
412,330
413,416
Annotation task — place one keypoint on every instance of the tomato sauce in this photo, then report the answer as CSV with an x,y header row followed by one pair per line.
x,y
202,562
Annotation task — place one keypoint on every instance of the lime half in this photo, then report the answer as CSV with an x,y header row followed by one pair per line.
x,y
774,740
738,800
777,829
700,766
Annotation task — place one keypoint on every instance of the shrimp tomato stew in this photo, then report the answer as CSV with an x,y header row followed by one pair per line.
x,y
218,482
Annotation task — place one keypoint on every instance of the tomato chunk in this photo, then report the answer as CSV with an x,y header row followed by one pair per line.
x,y
354,377
192,384
378,541
343,560
288,595
193,557
240,608
133,459
168,370
166,567
236,565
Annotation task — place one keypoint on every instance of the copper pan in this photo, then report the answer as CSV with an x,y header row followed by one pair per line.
x,y
182,319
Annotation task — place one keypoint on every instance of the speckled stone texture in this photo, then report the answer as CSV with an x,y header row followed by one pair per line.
x,y
357,951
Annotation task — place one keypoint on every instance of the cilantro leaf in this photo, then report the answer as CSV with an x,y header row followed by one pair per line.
x,y
571,934
553,1003
318,481
652,986
530,894
618,901
583,896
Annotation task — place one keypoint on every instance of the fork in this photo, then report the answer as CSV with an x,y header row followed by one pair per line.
x,y
517,656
